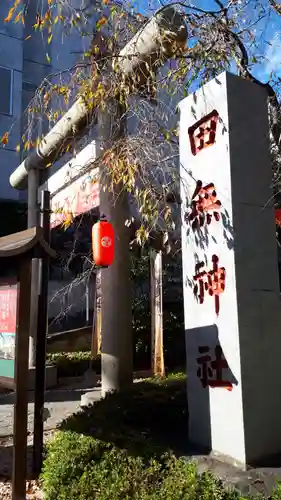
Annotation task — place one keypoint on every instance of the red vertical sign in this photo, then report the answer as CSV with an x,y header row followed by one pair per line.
x,y
8,319
8,307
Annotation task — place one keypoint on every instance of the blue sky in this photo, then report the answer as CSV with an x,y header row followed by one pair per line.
x,y
267,33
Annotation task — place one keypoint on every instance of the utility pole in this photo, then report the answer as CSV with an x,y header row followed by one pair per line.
x,y
42,318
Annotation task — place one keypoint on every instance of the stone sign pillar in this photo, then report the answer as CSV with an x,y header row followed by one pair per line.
x,y
230,272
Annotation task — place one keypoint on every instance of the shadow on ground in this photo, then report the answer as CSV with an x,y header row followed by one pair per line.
x,y
51,396
6,462
148,417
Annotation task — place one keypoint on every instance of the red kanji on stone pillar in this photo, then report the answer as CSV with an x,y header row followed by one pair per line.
x,y
213,282
204,204
103,243
210,370
203,133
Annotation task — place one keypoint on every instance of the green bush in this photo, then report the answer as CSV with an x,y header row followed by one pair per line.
x,y
74,364
92,469
126,447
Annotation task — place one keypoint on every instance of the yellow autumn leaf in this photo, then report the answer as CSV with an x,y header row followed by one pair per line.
x,y
5,138
50,39
18,148
102,21
17,18
68,220
28,37
48,57
10,15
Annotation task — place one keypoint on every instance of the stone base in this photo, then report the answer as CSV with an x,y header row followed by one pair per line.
x,y
51,377
91,397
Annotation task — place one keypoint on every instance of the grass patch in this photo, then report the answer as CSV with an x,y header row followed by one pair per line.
x,y
129,446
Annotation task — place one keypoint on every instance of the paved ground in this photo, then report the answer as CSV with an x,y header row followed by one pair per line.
x,y
59,403
260,481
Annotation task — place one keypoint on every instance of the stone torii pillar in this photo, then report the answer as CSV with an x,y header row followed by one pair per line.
x,y
230,272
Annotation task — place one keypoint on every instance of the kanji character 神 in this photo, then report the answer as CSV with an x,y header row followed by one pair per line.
x,y
213,282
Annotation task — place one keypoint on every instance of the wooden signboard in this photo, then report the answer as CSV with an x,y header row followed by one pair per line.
x,y
18,250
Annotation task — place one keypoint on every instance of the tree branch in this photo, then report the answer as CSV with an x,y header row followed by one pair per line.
x,y
276,6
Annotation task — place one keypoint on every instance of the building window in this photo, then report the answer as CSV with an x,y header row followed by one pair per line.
x,y
6,94
28,92
27,123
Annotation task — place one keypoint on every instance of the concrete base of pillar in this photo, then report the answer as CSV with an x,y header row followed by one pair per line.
x,y
91,397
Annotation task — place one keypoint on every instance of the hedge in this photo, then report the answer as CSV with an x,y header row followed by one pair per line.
x,y
74,364
128,446
81,467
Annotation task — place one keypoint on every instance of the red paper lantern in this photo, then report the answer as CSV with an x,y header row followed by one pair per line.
x,y
278,216
103,243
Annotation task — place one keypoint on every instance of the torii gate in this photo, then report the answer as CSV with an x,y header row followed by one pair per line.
x,y
74,190
155,42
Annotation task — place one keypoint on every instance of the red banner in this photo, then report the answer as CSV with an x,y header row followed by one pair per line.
x,y
77,198
8,306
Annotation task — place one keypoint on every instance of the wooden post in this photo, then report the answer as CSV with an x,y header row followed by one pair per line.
x,y
33,221
39,389
157,347
96,335
21,377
